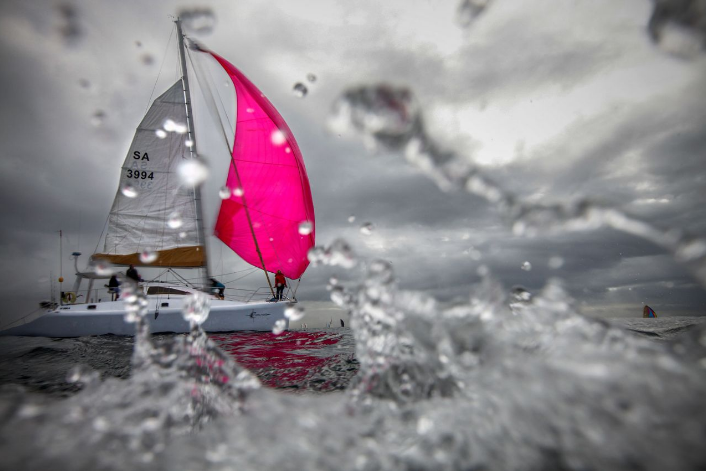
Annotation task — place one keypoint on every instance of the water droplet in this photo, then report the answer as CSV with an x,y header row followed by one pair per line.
x,y
526,266
279,326
351,218
520,294
148,256
249,110
555,262
189,143
98,118
305,228
469,10
84,83
172,126
182,235
224,193
128,190
138,44
198,20
238,192
69,26
300,90
294,312
278,137
196,308
103,268
147,59
192,172
311,77
175,221
161,133
367,229
381,114
288,150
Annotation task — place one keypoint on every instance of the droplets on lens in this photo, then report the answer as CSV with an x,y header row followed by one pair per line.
x,y
189,143
198,20
196,308
175,220
367,229
279,327
294,312
526,266
161,133
224,193
238,192
148,256
103,268
351,219
128,190
278,137
172,126
300,90
305,228
555,262
311,77
98,118
469,10
192,172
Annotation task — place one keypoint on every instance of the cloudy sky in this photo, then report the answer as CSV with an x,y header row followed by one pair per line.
x,y
553,100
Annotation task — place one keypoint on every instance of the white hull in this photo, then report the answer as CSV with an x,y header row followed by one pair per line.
x,y
164,316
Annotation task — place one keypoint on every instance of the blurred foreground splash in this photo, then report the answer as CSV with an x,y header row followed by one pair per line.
x,y
500,381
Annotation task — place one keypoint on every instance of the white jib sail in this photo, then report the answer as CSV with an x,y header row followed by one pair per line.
x,y
152,211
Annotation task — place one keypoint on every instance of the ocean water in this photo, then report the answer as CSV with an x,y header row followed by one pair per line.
x,y
503,381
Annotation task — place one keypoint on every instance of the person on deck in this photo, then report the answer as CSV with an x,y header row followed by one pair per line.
x,y
114,287
280,284
217,288
132,274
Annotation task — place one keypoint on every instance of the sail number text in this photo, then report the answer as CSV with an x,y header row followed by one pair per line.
x,y
140,175
136,172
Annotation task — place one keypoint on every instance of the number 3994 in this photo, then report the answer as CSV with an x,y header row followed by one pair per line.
x,y
140,175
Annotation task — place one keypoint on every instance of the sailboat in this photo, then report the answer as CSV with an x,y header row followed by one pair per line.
x,y
266,216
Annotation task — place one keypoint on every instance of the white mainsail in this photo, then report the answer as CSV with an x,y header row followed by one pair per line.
x,y
162,217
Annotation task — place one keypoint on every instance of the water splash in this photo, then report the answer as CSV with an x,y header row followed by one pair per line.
x,y
390,117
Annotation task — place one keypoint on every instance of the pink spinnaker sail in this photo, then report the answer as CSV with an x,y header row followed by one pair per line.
x,y
268,169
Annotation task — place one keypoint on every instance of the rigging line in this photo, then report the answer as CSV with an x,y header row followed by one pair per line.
x,y
21,318
247,212
164,57
206,89
241,277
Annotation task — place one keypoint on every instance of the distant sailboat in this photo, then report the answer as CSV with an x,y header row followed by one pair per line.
x,y
647,311
157,219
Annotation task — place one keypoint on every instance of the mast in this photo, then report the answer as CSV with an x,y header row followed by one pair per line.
x,y
192,151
